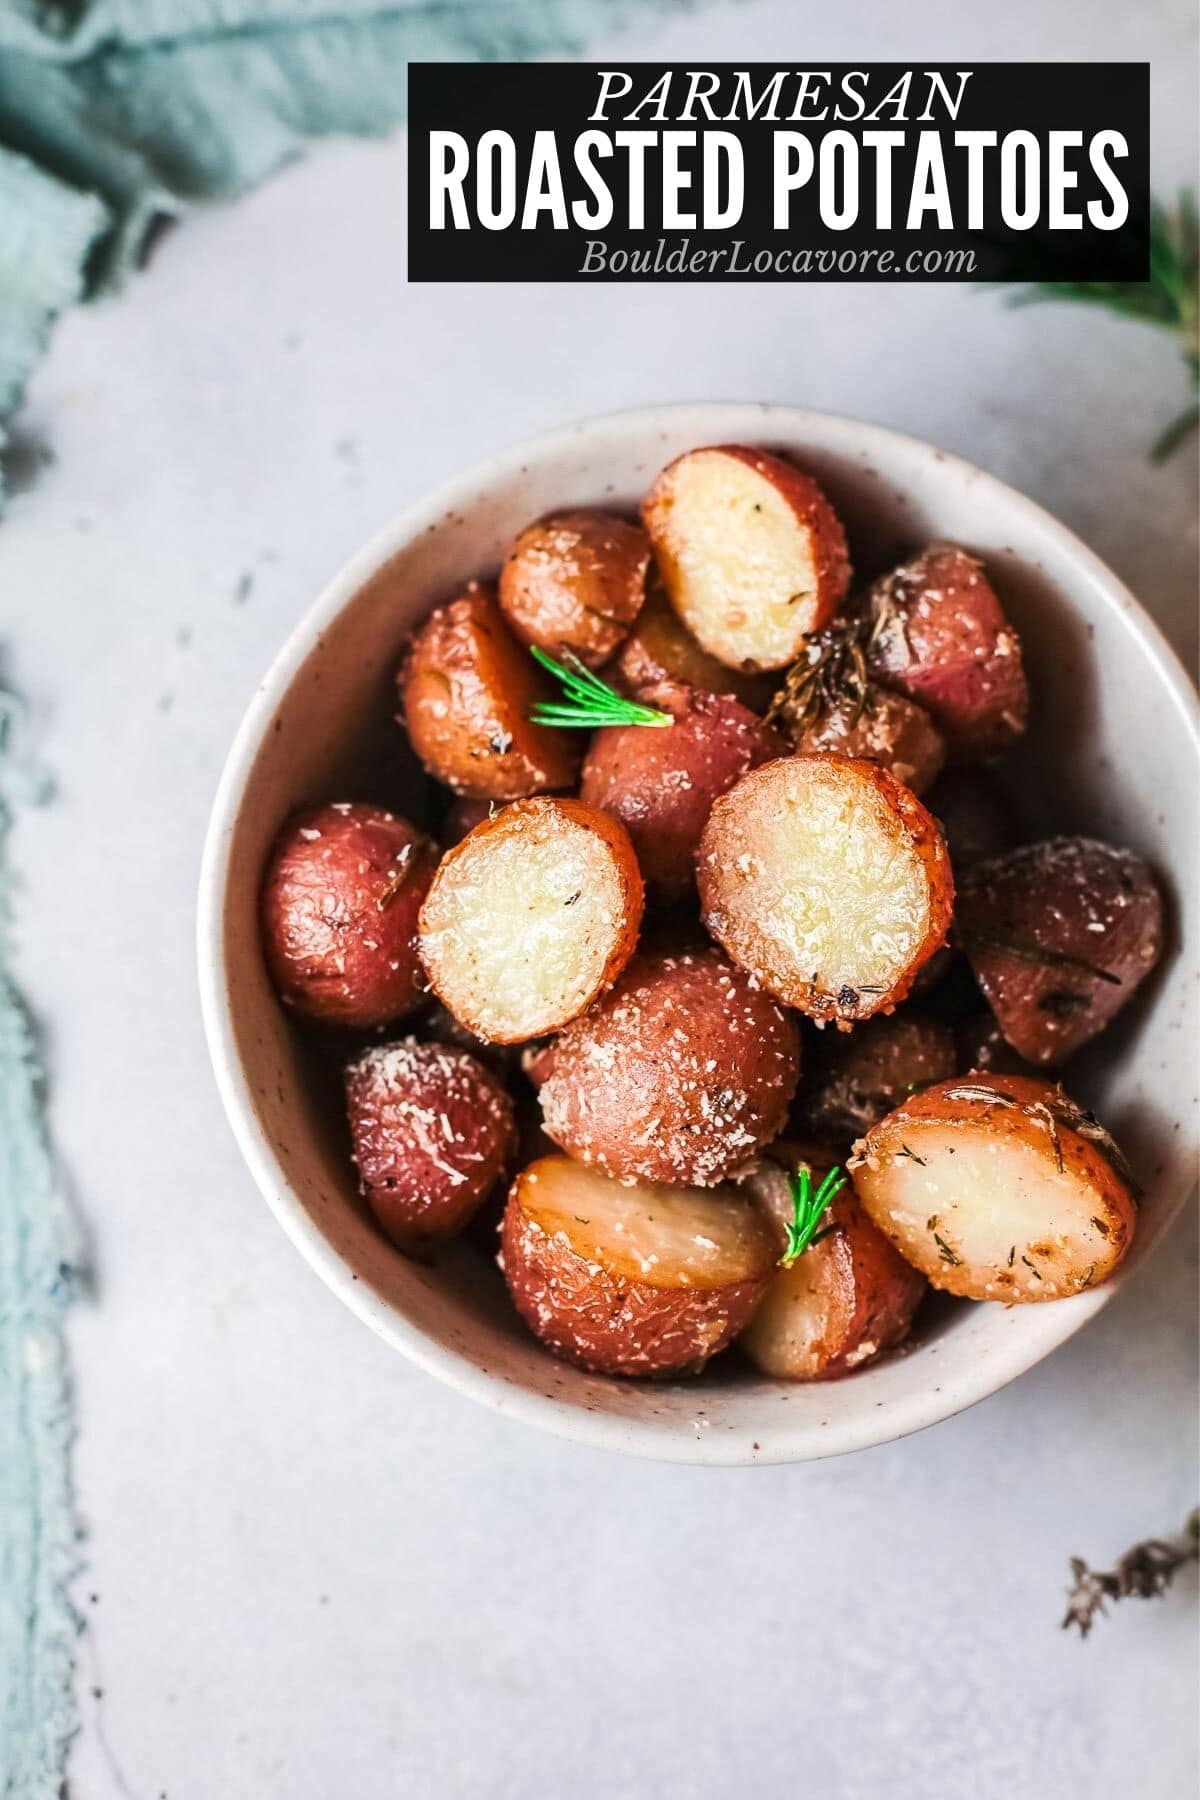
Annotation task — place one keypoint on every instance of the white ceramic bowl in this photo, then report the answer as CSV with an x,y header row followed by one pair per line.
x,y
1114,750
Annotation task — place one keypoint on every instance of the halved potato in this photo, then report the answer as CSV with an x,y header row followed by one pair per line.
x,y
575,581
827,880
849,1297
998,1187
531,916
631,1279
467,688
751,553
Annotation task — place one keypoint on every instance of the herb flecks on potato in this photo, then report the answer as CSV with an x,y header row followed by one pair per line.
x,y
998,1187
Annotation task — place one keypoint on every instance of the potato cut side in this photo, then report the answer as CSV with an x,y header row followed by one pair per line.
x,y
751,553
667,1237
850,1297
530,917
826,879
998,1188
637,1279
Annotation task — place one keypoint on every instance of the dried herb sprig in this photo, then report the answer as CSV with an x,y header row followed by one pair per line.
x,y
808,1206
1142,1573
588,702
1170,300
830,671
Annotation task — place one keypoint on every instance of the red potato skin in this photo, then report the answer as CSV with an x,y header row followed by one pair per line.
x,y
943,640
433,1133
927,841
661,782
661,648
1081,1156
339,931
466,690
875,1293
575,581
1045,899
859,1078
614,836
888,729
606,1323
679,1075
830,555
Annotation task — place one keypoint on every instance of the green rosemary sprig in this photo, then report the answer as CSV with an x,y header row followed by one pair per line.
x,y
808,1208
1170,300
588,701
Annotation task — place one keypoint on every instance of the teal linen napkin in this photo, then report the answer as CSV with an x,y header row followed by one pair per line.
x,y
113,114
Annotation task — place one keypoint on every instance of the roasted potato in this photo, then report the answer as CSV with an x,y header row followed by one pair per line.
x,y
826,879
887,729
631,1279
433,1132
661,648
661,782
997,1187
531,916
575,581
939,635
339,909
848,1297
1059,935
828,702
680,1074
466,688
751,553
852,1081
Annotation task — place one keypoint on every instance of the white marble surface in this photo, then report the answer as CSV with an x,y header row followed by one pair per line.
x,y
312,1574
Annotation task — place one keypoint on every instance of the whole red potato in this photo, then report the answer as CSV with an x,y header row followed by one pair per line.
x,y
939,636
340,903
433,1132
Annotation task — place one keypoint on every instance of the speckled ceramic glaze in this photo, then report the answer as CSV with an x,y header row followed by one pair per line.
x,y
1113,750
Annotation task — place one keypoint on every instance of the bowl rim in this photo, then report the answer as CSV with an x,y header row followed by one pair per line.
x,y
716,421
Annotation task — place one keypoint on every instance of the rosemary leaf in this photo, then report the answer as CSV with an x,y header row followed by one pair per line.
x,y
808,1208
588,701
